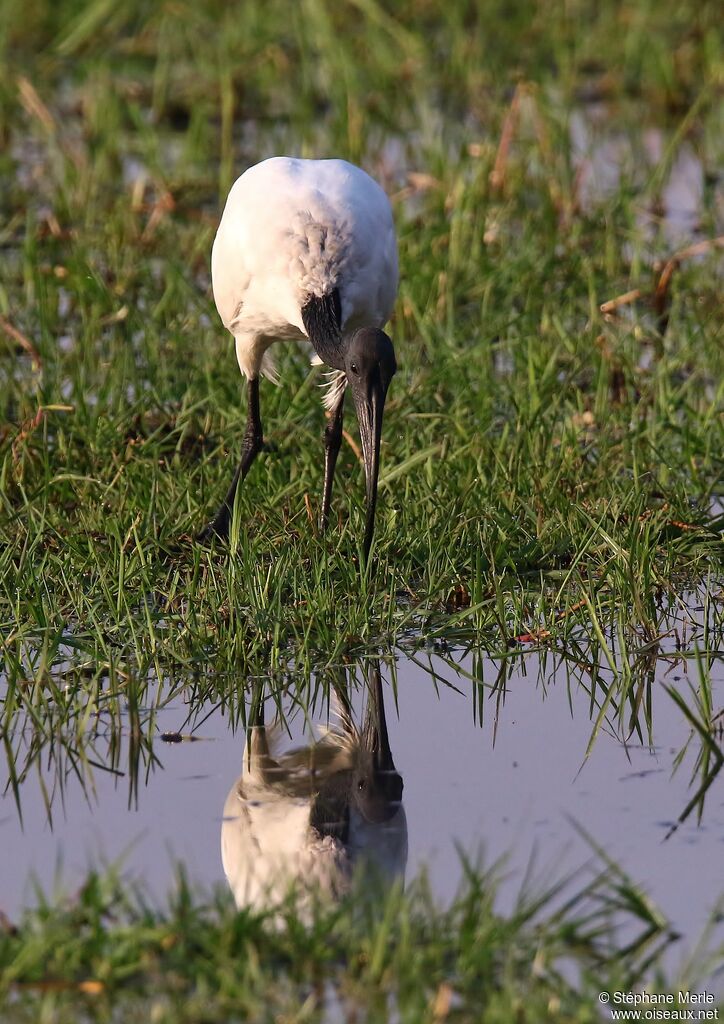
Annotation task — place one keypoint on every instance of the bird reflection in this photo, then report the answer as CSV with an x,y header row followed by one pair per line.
x,y
315,817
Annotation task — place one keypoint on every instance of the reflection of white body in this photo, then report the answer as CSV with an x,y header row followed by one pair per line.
x,y
312,818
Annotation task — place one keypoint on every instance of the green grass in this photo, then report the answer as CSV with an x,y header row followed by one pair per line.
x,y
110,952
547,469
523,438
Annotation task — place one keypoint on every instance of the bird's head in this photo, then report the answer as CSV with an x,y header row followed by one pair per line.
x,y
376,789
369,363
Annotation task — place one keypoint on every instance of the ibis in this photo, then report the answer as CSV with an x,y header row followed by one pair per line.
x,y
313,817
306,250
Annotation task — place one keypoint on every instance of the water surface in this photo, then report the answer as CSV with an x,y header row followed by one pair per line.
x,y
493,754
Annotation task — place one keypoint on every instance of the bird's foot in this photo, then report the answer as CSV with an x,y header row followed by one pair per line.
x,y
218,527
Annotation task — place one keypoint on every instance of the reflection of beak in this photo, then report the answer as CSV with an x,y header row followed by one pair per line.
x,y
375,738
385,795
369,416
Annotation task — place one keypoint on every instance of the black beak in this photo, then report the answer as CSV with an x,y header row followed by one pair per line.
x,y
369,415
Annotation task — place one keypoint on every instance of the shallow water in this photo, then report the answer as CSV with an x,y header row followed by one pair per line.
x,y
605,158
492,751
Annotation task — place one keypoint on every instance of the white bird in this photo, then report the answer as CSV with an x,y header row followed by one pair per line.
x,y
306,249
310,818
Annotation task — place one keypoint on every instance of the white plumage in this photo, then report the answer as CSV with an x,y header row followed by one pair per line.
x,y
293,228
306,249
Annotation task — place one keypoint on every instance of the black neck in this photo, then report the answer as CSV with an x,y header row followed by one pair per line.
x,y
322,319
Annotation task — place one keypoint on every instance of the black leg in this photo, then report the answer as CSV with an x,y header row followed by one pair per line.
x,y
332,442
250,447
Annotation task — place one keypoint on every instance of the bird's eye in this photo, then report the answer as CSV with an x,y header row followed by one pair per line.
x,y
361,785
354,369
